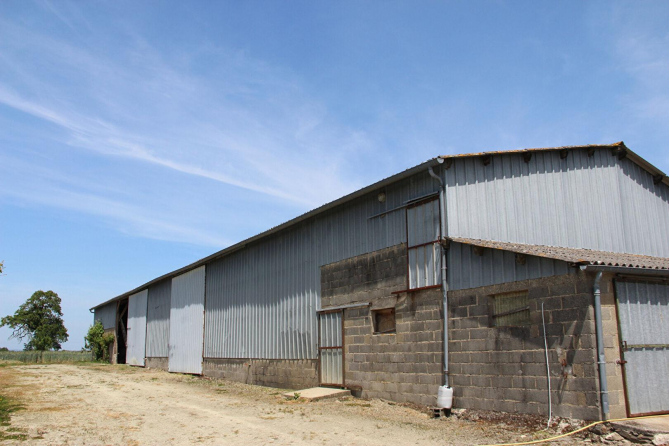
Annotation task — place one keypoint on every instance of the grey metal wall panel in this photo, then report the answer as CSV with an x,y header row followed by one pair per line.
x,y
423,223
187,305
424,266
643,318
137,328
158,319
262,301
469,270
572,202
106,315
645,210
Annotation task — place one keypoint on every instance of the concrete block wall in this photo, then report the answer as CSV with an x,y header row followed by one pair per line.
x,y
156,363
281,373
405,366
364,278
504,368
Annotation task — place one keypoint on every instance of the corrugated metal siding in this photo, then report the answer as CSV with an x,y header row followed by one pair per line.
x,y
106,315
423,226
469,270
186,322
137,328
158,319
425,265
423,223
262,301
643,317
573,202
645,211
331,359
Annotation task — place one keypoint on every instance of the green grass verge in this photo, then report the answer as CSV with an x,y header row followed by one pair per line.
x,y
7,408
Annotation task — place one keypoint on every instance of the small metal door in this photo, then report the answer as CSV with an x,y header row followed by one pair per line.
x,y
331,349
642,308
137,328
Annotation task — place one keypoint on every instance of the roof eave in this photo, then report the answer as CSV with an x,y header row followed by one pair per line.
x,y
314,212
634,157
639,271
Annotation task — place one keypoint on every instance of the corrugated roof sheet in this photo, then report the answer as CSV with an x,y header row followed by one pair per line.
x,y
573,255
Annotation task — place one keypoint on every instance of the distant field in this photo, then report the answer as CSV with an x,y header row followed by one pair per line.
x,y
46,357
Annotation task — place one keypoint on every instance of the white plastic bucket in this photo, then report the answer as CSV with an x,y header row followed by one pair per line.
x,y
445,397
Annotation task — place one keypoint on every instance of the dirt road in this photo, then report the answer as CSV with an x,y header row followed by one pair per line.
x,y
104,404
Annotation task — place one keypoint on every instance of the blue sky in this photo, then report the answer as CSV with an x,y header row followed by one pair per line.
x,y
137,137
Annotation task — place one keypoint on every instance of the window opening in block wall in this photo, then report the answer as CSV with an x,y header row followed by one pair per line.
x,y
423,245
511,309
383,321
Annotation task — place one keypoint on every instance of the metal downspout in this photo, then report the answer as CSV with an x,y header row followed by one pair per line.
x,y
445,284
602,373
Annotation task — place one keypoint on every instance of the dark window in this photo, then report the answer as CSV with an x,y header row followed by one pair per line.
x,y
511,309
384,320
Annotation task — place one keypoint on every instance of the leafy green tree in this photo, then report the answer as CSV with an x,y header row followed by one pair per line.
x,y
98,341
40,320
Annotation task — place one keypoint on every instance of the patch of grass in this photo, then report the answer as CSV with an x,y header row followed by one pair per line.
x,y
358,405
7,408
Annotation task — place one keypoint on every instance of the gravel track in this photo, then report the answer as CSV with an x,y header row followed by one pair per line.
x,y
122,405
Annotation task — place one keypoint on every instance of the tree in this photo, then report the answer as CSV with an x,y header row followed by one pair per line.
x,y
98,341
39,319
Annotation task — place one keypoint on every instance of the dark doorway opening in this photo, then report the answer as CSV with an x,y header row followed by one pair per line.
x,y
121,331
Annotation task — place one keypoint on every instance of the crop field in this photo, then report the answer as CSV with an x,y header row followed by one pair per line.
x,y
47,357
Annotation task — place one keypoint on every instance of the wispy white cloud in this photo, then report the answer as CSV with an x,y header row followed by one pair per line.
x,y
246,124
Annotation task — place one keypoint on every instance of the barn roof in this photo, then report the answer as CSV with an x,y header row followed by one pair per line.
x,y
618,149
578,256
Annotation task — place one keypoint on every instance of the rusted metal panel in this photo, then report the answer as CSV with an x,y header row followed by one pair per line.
x,y
158,319
187,305
593,201
642,309
106,315
137,328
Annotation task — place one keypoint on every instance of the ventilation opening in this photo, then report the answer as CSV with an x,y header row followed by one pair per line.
x,y
384,321
510,309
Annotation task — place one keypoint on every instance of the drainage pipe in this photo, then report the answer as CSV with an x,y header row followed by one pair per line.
x,y
546,357
445,285
604,398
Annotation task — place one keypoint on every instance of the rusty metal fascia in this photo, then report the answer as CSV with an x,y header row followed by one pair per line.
x,y
344,307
